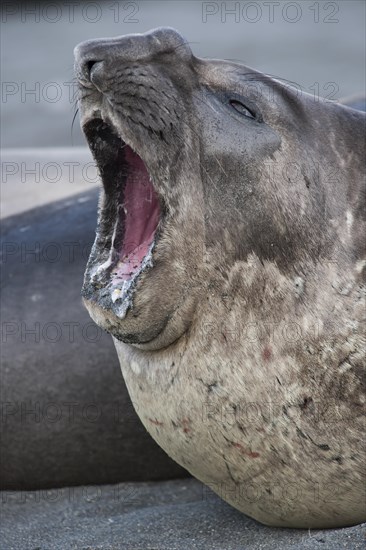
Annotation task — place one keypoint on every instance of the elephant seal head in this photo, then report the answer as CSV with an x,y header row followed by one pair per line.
x,y
203,163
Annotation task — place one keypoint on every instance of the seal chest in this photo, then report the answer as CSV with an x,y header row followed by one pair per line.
x,y
232,288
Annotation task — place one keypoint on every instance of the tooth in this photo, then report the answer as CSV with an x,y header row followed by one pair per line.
x,y
116,294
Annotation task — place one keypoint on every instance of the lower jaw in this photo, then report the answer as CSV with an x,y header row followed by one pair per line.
x,y
115,290
146,326
128,330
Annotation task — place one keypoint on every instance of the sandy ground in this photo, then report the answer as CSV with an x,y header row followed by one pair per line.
x,y
173,515
34,177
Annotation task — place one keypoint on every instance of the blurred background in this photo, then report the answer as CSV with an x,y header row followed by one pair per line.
x,y
320,46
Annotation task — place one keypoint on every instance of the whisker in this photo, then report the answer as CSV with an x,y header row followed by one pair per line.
x,y
72,124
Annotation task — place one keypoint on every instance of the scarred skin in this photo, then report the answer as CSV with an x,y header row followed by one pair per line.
x,y
243,347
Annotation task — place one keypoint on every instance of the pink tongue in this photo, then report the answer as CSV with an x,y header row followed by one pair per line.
x,y
142,212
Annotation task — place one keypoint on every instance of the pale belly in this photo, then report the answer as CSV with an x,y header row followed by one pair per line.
x,y
270,447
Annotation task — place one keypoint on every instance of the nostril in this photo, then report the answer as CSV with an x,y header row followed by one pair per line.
x,y
87,54
88,66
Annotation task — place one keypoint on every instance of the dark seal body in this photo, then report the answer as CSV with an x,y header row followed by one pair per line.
x,y
240,331
66,417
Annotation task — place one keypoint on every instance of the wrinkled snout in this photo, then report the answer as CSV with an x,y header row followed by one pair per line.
x,y
92,56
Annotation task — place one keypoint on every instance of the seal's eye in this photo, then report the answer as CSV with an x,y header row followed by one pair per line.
x,y
242,109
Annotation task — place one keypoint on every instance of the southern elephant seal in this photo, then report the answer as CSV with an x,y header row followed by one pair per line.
x,y
228,266
66,417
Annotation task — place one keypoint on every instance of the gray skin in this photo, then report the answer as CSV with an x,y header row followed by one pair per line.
x,y
242,345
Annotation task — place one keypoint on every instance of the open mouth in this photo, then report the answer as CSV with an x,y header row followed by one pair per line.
x,y
129,218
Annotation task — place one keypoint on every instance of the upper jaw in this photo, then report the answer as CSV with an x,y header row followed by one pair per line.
x,y
139,310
